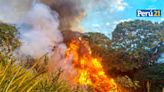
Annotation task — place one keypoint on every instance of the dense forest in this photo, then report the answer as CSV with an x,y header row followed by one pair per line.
x,y
133,57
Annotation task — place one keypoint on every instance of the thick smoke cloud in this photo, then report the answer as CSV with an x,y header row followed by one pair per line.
x,y
70,13
39,31
39,36
39,28
11,11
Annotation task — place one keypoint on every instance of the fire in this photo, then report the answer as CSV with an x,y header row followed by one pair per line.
x,y
90,70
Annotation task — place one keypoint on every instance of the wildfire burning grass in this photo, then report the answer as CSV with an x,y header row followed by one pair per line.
x,y
90,70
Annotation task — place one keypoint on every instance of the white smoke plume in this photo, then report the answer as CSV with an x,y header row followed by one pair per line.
x,y
39,31
39,35
12,11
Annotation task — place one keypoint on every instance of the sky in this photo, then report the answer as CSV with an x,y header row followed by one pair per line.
x,y
100,15
104,19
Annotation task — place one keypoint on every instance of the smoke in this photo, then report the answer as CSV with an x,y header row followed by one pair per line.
x,y
110,6
12,11
39,31
39,36
73,12
70,13
40,26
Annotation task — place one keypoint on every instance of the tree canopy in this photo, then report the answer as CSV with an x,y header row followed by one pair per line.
x,y
8,38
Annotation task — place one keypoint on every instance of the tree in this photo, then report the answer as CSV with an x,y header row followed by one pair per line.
x,y
137,38
8,40
141,41
114,60
153,76
135,35
134,47
100,44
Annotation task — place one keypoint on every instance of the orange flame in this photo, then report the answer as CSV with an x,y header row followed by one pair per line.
x,y
90,70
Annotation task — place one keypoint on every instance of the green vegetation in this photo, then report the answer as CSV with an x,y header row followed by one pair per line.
x,y
130,57
131,54
8,39
17,78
